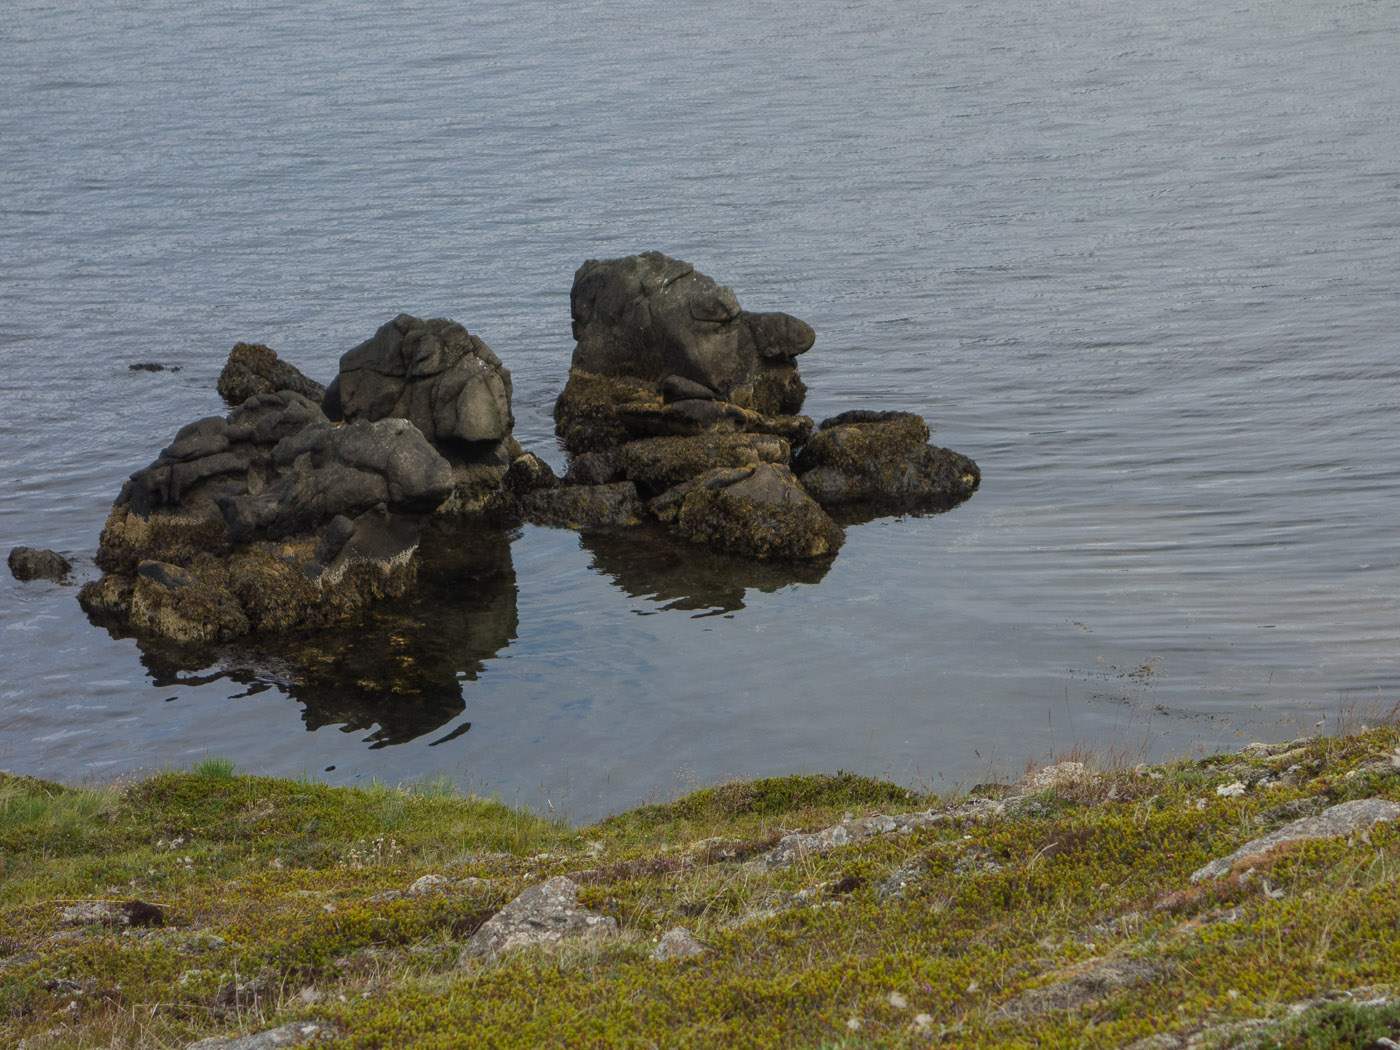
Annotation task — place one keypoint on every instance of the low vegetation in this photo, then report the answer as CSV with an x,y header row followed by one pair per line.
x,y
1059,913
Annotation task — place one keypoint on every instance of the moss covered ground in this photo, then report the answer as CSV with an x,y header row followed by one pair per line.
x,y
208,903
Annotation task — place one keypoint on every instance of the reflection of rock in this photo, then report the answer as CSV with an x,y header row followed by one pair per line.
x,y
397,671
652,564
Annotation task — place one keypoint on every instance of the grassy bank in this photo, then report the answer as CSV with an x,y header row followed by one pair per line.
x,y
1059,913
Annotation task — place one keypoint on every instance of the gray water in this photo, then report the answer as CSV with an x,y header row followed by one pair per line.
x,y
1136,259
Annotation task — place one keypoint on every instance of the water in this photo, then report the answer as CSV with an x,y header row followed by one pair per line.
x,y
1137,260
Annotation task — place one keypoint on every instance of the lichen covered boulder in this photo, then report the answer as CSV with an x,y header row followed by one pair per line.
x,y
760,511
29,563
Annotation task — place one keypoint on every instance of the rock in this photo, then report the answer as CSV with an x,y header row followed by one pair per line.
x,y
1060,775
433,373
759,511
657,464
677,944
679,388
595,468
149,366
1086,983
29,563
268,519
882,459
896,885
323,471
113,913
254,369
653,317
527,473
583,506
545,914
1333,822
652,334
301,1033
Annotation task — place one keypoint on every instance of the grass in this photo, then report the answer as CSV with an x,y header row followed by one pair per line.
x,y
212,903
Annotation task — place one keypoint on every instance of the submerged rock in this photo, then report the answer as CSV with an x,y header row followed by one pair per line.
x,y
29,563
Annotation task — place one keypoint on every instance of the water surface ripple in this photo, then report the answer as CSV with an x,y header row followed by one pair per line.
x,y
1138,260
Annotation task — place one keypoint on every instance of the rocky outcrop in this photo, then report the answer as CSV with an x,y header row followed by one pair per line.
x,y
254,369
1334,822
676,389
543,915
28,563
680,411
274,517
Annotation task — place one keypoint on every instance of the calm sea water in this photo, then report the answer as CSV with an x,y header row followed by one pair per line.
x,y
1137,259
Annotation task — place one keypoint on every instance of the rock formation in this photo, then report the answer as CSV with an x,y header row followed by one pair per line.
x,y
677,390
680,411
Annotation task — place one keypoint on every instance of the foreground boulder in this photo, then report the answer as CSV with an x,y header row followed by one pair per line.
x,y
543,915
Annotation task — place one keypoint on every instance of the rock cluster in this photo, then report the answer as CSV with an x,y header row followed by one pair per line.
x,y
302,507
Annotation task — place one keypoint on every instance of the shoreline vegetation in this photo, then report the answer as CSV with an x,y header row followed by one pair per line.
x,y
1242,900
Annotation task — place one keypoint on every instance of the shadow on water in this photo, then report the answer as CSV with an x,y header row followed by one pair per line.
x,y
398,673
676,574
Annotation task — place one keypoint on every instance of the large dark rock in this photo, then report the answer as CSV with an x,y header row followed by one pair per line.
x,y
256,369
434,373
652,317
323,471
28,563
878,462
653,331
656,464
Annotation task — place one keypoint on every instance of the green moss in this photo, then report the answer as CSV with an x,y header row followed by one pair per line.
x,y
281,900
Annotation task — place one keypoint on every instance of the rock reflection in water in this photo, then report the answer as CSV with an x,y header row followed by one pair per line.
x,y
397,673
648,563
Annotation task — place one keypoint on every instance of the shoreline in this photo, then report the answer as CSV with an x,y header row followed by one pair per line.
x,y
1074,908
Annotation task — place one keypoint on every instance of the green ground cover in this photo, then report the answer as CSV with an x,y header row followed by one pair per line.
x,y
206,903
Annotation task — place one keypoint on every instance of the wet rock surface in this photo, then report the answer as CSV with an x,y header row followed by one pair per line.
x,y
253,369
29,563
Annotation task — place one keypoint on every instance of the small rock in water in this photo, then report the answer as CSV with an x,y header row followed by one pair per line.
x,y
28,563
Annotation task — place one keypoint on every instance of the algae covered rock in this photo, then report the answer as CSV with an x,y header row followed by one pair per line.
x,y
254,369
883,460
656,464
760,511
28,563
